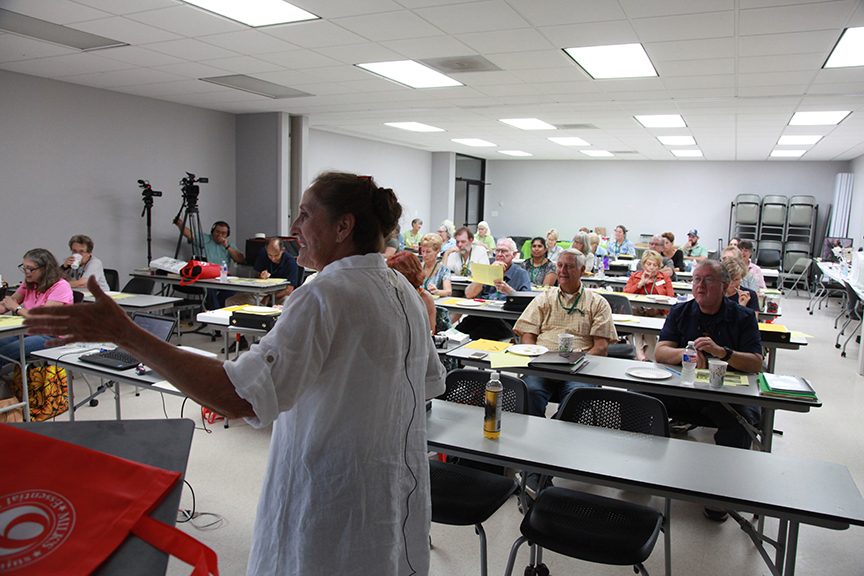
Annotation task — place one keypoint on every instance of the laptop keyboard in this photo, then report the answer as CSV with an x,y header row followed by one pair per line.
x,y
119,355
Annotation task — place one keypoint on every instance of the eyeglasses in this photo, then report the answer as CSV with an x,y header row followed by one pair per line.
x,y
708,281
502,251
27,269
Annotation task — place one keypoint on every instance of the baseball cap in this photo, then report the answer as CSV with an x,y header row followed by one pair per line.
x,y
693,232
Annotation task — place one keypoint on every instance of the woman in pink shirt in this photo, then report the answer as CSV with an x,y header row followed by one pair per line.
x,y
43,285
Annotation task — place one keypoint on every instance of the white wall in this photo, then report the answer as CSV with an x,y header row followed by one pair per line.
x,y
70,158
856,219
647,197
406,170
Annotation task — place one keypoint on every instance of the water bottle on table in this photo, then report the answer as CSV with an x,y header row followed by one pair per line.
x,y
688,364
223,272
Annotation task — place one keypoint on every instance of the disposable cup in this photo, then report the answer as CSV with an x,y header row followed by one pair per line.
x,y
716,372
565,344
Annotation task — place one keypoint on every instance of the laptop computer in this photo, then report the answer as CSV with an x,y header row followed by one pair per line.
x,y
118,359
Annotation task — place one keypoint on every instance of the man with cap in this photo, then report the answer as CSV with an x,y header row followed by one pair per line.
x,y
694,253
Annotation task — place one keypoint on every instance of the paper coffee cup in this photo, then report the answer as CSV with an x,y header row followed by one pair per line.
x,y
76,261
565,344
716,372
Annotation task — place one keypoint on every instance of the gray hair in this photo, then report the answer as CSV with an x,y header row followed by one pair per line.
x,y
586,241
660,238
580,257
718,269
484,224
510,243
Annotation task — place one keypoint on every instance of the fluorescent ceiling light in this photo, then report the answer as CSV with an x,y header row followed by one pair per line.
x,y
849,51
410,73
50,32
597,153
677,140
569,141
687,153
527,123
473,142
818,118
787,153
255,86
515,153
661,121
414,126
798,140
619,61
255,12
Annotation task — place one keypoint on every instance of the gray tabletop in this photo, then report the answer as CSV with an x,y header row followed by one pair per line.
x,y
796,489
163,444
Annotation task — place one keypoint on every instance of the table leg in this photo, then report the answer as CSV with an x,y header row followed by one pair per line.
x,y
772,358
767,429
226,343
117,399
25,392
70,395
781,543
791,549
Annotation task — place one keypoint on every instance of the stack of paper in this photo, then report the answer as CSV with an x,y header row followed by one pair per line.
x,y
786,386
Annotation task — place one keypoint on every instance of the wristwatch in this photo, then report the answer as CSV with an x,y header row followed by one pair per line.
x,y
17,309
728,353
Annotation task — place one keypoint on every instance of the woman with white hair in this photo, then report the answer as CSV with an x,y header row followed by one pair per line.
x,y
552,248
484,236
447,230
582,242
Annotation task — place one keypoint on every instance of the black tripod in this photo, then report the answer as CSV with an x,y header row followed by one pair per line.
x,y
148,194
191,218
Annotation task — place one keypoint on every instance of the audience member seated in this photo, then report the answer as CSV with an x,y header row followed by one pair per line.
x,y
720,329
436,275
484,236
81,264
459,259
658,244
694,253
446,230
43,285
217,249
552,248
541,270
412,237
736,292
582,243
671,251
409,266
734,241
272,262
748,280
621,245
393,243
598,251
651,280
515,280
568,308
746,247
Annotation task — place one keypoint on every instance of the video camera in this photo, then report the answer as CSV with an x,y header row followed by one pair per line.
x,y
147,191
190,190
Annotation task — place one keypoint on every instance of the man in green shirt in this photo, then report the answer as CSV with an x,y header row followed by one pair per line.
x,y
693,252
413,236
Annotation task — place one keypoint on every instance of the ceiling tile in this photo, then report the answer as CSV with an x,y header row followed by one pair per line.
x,y
14,47
314,34
695,67
288,78
793,90
710,93
341,8
595,34
126,30
553,12
68,65
300,59
127,6
801,78
252,42
139,56
429,47
190,49
674,51
715,81
243,65
561,74
839,75
337,73
792,43
187,21
785,62
531,59
56,11
474,17
558,88
818,16
642,9
119,78
389,26
192,70
360,53
506,41
687,27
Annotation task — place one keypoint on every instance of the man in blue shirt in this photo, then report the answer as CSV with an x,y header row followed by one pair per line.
x,y
515,280
272,262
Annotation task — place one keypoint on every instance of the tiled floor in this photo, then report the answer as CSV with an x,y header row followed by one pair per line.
x,y
226,469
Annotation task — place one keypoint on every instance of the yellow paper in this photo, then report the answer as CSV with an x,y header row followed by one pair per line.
x,y
772,328
487,273
731,378
451,301
488,345
7,321
702,375
624,318
121,295
505,360
796,334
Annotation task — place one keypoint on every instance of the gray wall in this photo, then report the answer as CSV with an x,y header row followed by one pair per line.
x,y
856,219
647,197
70,158
406,170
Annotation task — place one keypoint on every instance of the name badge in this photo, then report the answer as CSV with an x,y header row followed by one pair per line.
x,y
660,283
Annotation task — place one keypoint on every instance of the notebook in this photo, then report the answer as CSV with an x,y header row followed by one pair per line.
x,y
118,359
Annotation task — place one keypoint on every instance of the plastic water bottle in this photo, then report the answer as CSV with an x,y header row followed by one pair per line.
x,y
223,272
688,364
492,419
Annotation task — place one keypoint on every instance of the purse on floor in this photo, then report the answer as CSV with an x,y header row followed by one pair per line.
x,y
64,509
46,390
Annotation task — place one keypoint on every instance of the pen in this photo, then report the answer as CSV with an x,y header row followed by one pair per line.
x,y
673,371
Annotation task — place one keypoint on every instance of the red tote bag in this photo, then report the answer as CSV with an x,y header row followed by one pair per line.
x,y
64,509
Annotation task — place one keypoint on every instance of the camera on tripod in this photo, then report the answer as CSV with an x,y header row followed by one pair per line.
x,y
148,192
190,190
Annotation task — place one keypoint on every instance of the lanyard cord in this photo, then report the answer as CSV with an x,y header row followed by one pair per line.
x,y
572,308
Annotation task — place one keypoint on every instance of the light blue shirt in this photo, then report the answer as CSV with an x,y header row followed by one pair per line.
x,y
626,248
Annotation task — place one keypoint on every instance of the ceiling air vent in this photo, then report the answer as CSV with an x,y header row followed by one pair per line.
x,y
575,127
457,64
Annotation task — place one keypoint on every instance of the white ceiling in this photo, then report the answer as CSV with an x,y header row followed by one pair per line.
x,y
736,70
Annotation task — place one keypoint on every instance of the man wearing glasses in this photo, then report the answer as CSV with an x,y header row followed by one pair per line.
x,y
658,244
81,264
720,329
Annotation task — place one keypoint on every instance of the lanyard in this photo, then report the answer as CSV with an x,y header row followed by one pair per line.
x,y
532,272
426,281
572,308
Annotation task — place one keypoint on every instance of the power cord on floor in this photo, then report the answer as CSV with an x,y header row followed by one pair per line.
x,y
183,516
203,423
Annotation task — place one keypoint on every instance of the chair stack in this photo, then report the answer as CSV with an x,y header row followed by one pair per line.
x,y
745,217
